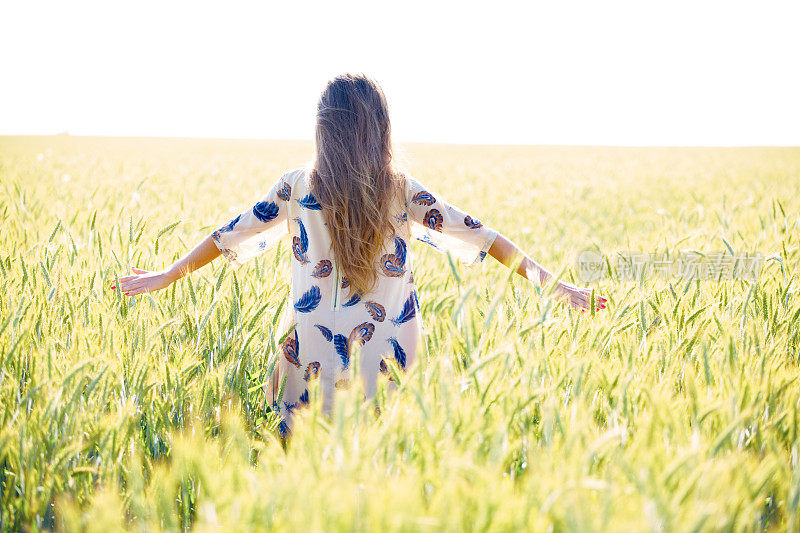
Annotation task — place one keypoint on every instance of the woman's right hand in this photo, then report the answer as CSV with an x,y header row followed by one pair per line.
x,y
579,297
144,281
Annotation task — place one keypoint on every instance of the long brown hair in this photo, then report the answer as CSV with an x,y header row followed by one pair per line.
x,y
353,176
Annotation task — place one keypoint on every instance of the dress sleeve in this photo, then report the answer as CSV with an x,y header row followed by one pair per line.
x,y
259,228
445,227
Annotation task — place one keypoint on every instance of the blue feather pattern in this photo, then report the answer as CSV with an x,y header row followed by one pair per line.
x,y
407,313
291,349
309,202
399,353
345,282
286,192
354,299
340,344
325,332
312,371
323,269
301,401
400,250
433,219
423,198
376,310
309,300
300,244
361,334
265,211
229,226
473,223
392,265
427,240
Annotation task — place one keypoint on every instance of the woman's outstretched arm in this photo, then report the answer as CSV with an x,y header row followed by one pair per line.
x,y
148,281
509,254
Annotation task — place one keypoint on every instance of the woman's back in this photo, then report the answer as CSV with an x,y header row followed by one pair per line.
x,y
330,319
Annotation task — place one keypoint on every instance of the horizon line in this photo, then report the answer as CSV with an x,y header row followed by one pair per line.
x,y
395,141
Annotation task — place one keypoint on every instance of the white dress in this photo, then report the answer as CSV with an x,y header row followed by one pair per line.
x,y
329,321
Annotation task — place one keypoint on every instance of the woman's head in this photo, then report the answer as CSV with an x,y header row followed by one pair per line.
x,y
354,178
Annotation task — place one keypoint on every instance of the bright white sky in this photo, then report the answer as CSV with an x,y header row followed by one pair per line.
x,y
588,72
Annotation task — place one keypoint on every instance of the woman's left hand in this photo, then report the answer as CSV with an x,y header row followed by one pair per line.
x,y
144,281
579,297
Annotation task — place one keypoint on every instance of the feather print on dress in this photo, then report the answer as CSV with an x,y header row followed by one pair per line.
x,y
309,300
301,401
354,299
399,353
399,357
291,349
423,198
384,369
427,240
393,265
340,344
286,192
360,334
400,250
408,311
376,310
229,226
265,211
309,202
433,219
473,223
345,282
312,371
325,332
300,244
230,255
323,269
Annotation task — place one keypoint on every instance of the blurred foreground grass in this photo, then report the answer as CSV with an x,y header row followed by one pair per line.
x,y
674,410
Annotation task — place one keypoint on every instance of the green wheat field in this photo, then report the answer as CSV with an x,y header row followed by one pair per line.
x,y
675,409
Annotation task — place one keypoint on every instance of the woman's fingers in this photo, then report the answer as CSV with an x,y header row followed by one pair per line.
x,y
134,292
123,280
139,289
134,286
580,298
128,285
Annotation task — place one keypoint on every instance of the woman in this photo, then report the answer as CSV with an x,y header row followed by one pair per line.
x,y
350,213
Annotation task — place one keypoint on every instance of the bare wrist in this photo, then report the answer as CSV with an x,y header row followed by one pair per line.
x,y
172,274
